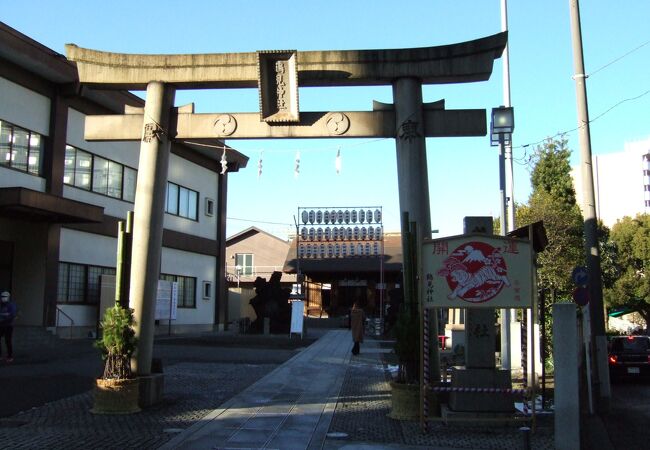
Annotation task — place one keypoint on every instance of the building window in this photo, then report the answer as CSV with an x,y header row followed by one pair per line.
x,y
128,184
244,263
100,175
20,149
207,290
80,283
209,207
182,201
186,289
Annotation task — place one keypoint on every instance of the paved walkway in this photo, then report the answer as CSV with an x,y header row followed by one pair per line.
x,y
324,398
290,408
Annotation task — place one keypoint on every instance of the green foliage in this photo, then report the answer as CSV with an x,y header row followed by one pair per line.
x,y
407,345
609,267
631,240
118,342
496,225
565,250
553,202
552,171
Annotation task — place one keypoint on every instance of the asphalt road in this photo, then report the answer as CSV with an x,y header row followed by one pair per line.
x,y
628,422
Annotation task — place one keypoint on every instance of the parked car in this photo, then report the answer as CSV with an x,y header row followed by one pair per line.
x,y
629,356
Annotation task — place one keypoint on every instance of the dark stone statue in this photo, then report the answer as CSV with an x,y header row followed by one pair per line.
x,y
272,301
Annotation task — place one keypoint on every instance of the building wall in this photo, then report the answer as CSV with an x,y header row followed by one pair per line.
x,y
87,248
269,254
24,107
239,306
202,267
619,182
126,153
11,178
84,248
31,110
28,271
195,177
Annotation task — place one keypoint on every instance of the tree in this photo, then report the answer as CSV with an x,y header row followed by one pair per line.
x,y
118,342
564,229
609,267
553,201
552,171
631,238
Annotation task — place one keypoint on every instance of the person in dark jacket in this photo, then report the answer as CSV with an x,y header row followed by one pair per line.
x,y
357,319
7,316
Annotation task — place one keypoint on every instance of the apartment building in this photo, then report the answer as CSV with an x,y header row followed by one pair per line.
x,y
61,198
621,182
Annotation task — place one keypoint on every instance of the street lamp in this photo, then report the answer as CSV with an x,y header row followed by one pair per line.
x,y
501,128
502,125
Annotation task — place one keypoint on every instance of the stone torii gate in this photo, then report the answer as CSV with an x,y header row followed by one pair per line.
x,y
277,75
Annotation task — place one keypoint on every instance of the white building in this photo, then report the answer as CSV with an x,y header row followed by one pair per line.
x,y
61,198
621,182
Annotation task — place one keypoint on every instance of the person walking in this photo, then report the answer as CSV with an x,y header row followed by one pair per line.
x,y
357,320
7,316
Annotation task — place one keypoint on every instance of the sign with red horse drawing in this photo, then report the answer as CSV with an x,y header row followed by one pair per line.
x,y
475,270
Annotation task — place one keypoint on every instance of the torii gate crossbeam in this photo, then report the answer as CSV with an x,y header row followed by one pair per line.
x,y
463,62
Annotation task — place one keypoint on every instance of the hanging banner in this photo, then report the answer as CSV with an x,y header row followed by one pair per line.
x,y
477,271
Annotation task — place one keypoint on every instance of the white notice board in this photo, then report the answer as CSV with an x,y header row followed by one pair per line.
x,y
297,308
166,300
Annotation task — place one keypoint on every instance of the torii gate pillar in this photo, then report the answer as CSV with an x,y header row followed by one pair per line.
x,y
413,179
149,212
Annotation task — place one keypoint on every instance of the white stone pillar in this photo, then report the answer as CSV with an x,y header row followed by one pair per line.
x,y
149,213
567,392
413,181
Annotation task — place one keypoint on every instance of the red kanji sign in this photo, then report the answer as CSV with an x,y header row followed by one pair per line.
x,y
477,271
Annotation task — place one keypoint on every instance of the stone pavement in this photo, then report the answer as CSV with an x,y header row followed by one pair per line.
x,y
326,398
322,397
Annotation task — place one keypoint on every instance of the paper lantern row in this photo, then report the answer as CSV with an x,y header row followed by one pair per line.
x,y
338,250
341,234
340,216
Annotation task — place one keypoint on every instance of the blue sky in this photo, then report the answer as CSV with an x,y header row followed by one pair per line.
x,y
463,172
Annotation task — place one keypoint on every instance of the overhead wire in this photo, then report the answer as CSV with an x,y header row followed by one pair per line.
x,y
525,159
618,59
258,221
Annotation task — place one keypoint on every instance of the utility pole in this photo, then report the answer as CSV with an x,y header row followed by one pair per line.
x,y
598,349
505,60
506,173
